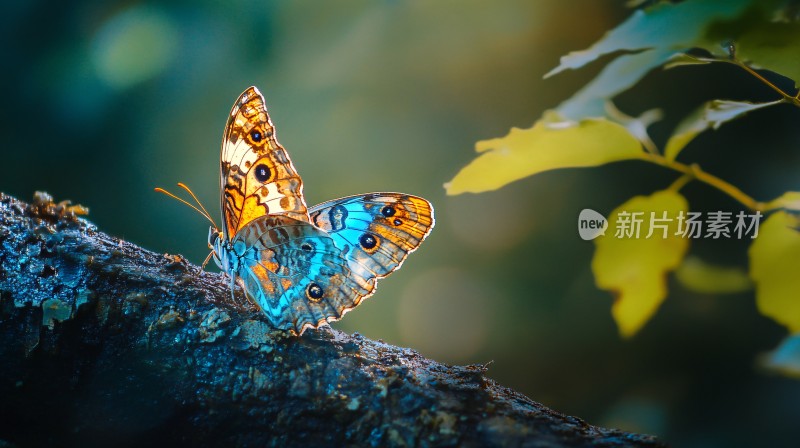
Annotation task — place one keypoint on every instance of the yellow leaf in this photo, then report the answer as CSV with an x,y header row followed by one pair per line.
x,y
549,145
774,267
699,276
635,269
787,201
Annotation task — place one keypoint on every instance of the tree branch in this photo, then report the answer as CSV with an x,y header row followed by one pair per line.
x,y
105,342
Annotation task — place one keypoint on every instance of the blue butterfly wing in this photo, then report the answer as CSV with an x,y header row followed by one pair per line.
x,y
375,231
295,273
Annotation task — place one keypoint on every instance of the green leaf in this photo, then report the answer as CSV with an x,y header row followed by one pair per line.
x,y
634,269
699,276
551,144
759,40
661,34
773,46
710,115
615,78
662,26
774,267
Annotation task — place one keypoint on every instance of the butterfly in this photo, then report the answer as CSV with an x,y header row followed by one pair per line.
x,y
303,267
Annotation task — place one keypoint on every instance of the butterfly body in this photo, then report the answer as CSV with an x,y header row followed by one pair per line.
x,y
302,267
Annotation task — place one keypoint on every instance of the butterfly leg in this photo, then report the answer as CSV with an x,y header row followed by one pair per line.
x,y
233,288
205,262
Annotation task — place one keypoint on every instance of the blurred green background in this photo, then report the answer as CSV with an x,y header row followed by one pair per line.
x,y
102,101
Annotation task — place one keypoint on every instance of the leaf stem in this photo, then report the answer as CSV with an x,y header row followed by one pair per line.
x,y
681,182
695,172
795,100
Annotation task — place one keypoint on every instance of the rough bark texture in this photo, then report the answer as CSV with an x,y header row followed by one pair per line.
x,y
107,344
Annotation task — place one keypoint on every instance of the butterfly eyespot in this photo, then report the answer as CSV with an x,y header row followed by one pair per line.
x,y
388,211
306,247
368,241
256,136
262,173
314,291
397,222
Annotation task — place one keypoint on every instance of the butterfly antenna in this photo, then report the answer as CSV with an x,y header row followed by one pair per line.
x,y
189,190
205,214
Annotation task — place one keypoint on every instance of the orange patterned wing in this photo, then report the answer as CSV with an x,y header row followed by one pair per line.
x,y
375,231
257,177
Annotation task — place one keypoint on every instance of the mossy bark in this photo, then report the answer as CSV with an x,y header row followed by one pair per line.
x,y
105,343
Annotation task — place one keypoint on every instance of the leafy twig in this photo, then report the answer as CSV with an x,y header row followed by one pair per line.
x,y
795,100
695,172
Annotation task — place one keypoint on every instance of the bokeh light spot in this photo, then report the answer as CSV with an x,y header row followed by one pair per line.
x,y
133,46
490,222
445,315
